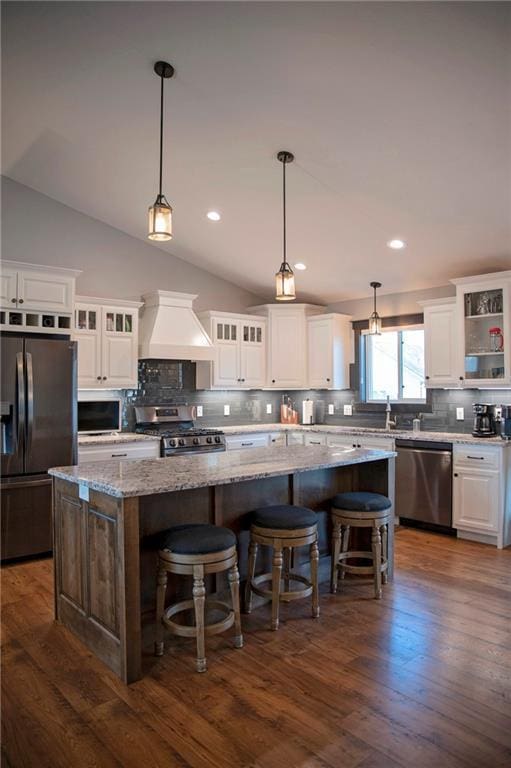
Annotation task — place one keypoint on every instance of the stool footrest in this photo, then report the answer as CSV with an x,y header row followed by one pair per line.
x,y
184,630
285,597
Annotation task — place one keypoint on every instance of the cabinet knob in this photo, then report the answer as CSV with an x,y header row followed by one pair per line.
x,y
328,379
13,301
427,378
455,474
98,378
243,379
104,378
273,381
20,301
461,378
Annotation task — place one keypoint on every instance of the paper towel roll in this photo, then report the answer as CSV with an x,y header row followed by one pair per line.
x,y
307,412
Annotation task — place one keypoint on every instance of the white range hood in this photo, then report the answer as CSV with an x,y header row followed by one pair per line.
x,y
170,330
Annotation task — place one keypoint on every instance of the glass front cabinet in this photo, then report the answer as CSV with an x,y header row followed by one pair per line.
x,y
483,307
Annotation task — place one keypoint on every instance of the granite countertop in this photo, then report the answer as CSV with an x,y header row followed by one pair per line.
x,y
176,473
114,438
404,434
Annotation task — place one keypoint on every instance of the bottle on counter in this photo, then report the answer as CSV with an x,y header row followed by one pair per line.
x,y
416,424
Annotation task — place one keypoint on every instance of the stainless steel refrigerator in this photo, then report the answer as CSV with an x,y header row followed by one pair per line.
x,y
38,417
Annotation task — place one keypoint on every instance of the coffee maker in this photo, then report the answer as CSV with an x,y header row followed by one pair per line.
x,y
505,422
485,424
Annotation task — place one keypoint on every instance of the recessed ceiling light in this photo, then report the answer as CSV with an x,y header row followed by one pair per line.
x,y
300,265
213,216
396,244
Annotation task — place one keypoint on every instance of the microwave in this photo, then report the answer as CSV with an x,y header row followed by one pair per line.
x,y
96,416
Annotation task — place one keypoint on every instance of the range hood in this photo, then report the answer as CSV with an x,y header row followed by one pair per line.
x,y
170,330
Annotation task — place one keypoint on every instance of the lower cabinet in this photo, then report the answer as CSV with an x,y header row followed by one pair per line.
x,y
240,442
476,500
314,438
143,449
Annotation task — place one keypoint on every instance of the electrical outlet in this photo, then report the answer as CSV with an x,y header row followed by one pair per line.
x,y
348,410
227,410
331,409
199,411
460,414
268,408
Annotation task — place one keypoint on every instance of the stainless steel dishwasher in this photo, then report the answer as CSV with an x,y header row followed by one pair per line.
x,y
424,484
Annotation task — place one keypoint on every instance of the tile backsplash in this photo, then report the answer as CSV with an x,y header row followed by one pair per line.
x,y
169,381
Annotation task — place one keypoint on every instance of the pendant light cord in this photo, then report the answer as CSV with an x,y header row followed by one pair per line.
x,y
374,289
284,209
161,137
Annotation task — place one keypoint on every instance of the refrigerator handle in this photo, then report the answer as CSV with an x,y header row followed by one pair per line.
x,y
20,381
30,400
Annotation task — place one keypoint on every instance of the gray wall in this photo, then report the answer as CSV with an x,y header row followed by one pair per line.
x,y
39,230
393,303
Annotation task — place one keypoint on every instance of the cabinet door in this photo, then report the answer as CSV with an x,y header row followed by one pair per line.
x,y
226,367
9,287
476,500
314,439
45,291
119,347
320,334
87,332
288,353
440,346
486,323
252,354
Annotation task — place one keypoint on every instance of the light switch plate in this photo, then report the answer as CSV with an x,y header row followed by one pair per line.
x,y
331,409
199,411
227,410
460,414
268,408
348,410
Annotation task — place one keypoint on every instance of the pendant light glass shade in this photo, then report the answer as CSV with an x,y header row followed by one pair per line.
x,y
160,220
160,213
375,319
285,283
284,278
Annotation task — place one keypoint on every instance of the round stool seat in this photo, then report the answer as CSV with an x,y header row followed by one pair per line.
x,y
284,517
197,539
361,501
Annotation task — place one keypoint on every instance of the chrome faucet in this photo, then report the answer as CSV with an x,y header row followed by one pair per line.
x,y
389,423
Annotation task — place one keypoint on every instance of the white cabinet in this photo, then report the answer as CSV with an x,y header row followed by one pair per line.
x,y
314,438
146,449
484,329
107,336
287,344
440,343
330,350
240,352
478,495
249,440
36,299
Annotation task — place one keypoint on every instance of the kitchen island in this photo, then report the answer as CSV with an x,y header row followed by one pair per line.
x,y
107,517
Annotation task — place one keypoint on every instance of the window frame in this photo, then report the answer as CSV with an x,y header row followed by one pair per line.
x,y
399,329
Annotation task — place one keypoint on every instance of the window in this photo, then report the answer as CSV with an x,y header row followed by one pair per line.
x,y
394,366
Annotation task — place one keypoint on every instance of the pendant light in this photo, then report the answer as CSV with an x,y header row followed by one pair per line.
x,y
284,278
375,319
160,213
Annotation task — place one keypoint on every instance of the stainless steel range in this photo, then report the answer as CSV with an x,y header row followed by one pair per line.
x,y
174,424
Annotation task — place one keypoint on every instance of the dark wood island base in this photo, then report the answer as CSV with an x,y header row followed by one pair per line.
x,y
105,561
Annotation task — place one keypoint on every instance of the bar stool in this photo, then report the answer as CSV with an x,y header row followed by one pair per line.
x,y
197,550
360,509
282,527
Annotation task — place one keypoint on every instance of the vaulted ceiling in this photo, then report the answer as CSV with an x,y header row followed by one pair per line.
x,y
398,115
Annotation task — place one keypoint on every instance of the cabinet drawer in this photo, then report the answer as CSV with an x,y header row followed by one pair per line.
x,y
241,442
476,457
295,438
137,450
315,439
278,438
342,441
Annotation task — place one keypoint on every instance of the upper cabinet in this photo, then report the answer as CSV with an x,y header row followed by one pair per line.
x,y
240,352
286,352
107,336
440,334
35,298
484,326
330,351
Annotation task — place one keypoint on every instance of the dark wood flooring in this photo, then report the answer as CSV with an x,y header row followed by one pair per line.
x,y
420,678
